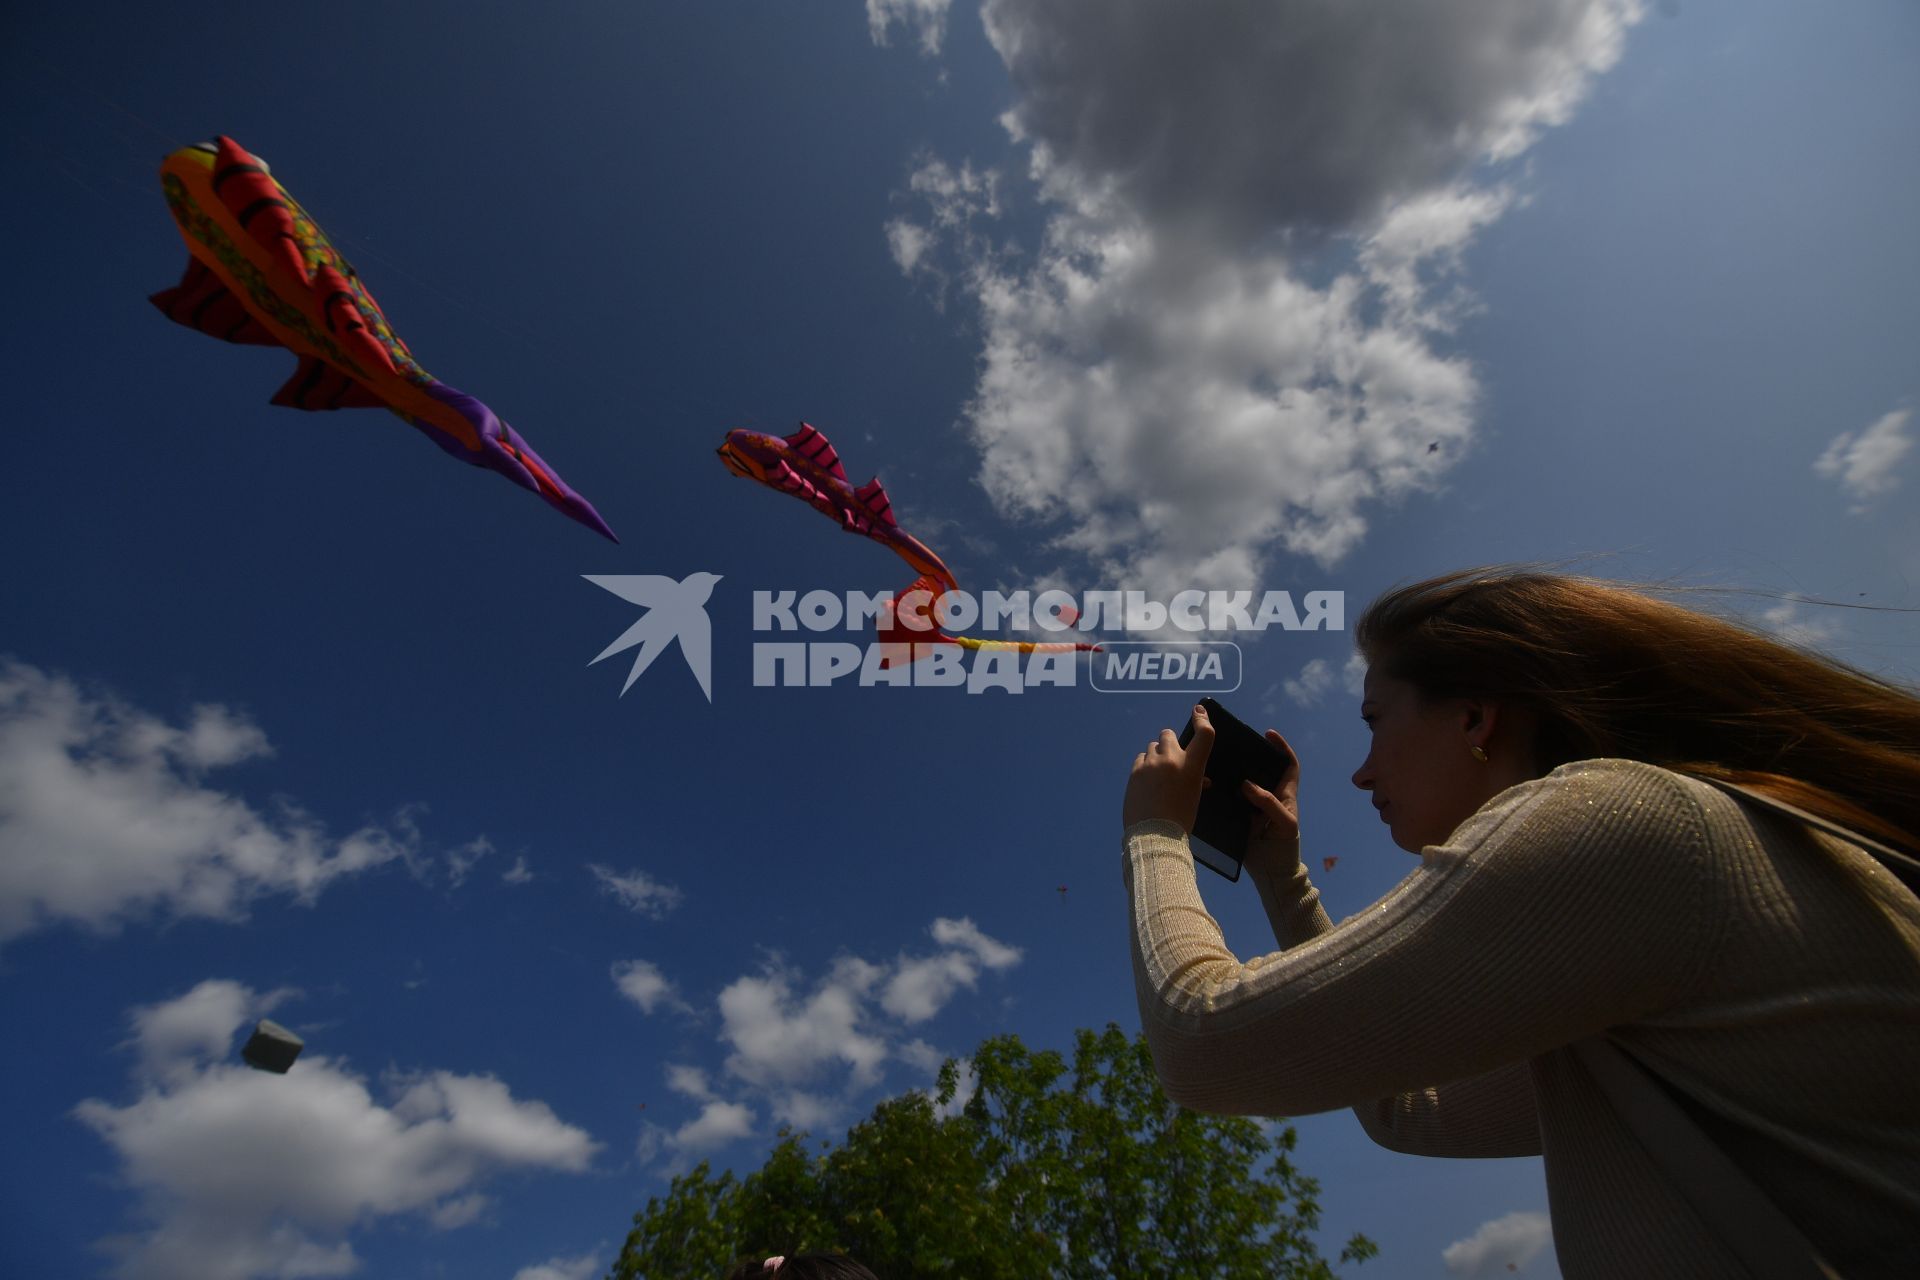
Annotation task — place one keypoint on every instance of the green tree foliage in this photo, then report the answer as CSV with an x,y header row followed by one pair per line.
x,y
1052,1170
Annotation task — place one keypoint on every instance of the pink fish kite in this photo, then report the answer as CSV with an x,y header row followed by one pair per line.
x,y
805,465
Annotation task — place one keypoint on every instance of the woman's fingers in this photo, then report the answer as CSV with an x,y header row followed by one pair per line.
x,y
1263,799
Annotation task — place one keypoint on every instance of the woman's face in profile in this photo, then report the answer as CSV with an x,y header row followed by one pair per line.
x,y
1423,779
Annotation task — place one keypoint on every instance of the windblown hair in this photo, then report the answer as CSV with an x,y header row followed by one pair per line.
x,y
1609,671
805,1266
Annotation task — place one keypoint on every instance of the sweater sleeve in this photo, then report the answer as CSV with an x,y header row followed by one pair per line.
x,y
1565,906
1488,1116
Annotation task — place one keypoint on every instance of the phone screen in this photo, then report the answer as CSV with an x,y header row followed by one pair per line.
x,y
1224,822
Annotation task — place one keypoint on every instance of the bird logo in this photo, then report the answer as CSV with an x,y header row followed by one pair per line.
x,y
674,611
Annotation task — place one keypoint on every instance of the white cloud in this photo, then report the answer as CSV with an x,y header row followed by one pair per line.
x,y
778,1037
106,816
638,891
920,1055
243,1173
1421,239
1864,465
461,860
925,18
642,982
921,987
908,244
1311,685
1180,414
462,1212
688,1080
802,1052
801,1110
1499,1246
966,935
518,873
1788,621
586,1266
717,1124
1246,115
1354,675
1226,342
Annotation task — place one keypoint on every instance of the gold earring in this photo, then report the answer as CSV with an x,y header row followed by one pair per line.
x,y
1478,754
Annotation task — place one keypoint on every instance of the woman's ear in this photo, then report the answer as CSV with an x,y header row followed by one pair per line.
x,y
1503,730
1478,721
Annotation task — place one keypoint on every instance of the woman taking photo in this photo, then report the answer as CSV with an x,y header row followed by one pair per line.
x,y
1658,933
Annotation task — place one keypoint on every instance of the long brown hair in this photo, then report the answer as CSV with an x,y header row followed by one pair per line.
x,y
1608,670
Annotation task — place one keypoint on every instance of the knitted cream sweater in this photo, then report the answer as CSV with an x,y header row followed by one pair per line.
x,y
1768,974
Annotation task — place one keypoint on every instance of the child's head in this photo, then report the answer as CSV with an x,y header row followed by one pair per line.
x,y
803,1266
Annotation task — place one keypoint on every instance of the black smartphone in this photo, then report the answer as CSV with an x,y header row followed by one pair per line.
x,y
1225,820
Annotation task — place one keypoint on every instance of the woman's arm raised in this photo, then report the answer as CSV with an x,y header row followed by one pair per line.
x,y
1565,906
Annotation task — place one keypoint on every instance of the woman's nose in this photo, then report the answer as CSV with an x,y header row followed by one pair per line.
x,y
1363,776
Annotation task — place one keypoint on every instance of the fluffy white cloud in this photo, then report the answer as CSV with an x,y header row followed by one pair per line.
x,y
584,1267
637,891
642,982
461,860
1354,675
921,986
106,815
1226,341
1181,413
920,1055
518,873
1500,1247
926,19
1241,116
1797,627
243,1173
798,1109
965,935
717,1124
803,1051
780,1037
1863,465
462,1212
688,1080
1311,685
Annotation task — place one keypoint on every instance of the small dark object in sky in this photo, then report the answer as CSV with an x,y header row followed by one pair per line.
x,y
1434,447
272,1047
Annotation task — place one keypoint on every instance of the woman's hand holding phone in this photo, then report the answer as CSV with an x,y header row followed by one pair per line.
x,y
1167,778
1273,845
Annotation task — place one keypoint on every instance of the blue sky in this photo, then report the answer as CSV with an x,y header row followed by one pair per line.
x,y
296,717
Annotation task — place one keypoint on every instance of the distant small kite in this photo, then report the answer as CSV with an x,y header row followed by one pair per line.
x,y
805,465
913,638
263,273
1326,864
271,1047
